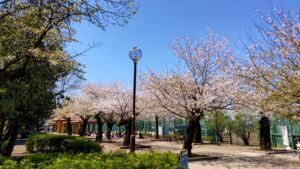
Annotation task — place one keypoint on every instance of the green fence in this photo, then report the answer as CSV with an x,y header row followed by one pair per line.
x,y
178,127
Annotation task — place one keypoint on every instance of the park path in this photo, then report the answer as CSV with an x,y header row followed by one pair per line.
x,y
227,156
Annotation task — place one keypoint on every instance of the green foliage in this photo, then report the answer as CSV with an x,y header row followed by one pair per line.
x,y
2,159
31,140
218,122
244,124
41,142
9,164
6,163
35,68
38,160
80,145
3,147
117,160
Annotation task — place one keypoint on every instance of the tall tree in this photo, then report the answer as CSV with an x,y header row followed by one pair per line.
x,y
115,101
198,86
35,102
29,29
33,35
85,110
275,60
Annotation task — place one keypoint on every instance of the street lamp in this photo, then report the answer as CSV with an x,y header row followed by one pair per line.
x,y
135,55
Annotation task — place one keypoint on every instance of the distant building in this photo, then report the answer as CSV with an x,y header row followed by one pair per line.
x,y
59,125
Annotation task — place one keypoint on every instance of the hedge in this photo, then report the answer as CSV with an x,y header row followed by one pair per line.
x,y
41,142
117,160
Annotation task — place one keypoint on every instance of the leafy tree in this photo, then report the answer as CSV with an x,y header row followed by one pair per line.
x,y
29,29
33,63
218,122
244,125
27,101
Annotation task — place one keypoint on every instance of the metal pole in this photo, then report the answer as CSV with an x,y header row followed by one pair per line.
x,y
132,137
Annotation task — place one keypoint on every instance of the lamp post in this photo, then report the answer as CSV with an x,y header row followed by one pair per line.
x,y
135,55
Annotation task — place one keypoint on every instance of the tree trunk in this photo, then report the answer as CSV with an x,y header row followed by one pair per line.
x,y
120,133
156,127
220,136
12,139
265,140
109,129
197,136
99,129
246,141
69,126
230,137
128,126
188,140
83,128
2,124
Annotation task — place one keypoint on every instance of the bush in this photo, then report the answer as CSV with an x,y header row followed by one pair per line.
x,y
55,141
80,145
102,161
38,160
3,147
6,163
32,140
42,142
2,159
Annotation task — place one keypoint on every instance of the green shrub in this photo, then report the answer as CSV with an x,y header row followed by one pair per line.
x,y
2,159
4,147
32,140
41,143
38,160
9,164
117,160
55,141
80,145
6,163
59,143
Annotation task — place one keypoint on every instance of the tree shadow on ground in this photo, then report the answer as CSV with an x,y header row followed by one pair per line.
x,y
265,161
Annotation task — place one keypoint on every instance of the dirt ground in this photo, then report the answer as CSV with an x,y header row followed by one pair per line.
x,y
224,156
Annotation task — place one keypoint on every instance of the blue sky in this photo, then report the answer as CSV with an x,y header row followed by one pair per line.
x,y
154,27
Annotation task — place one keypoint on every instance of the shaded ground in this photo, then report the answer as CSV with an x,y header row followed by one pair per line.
x,y
228,156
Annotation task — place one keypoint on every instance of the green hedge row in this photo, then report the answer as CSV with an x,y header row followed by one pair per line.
x,y
42,142
117,160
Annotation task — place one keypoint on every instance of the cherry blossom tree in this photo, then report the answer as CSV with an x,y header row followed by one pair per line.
x,y
254,97
66,111
84,108
99,94
114,101
198,85
275,60
269,78
121,106
149,105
